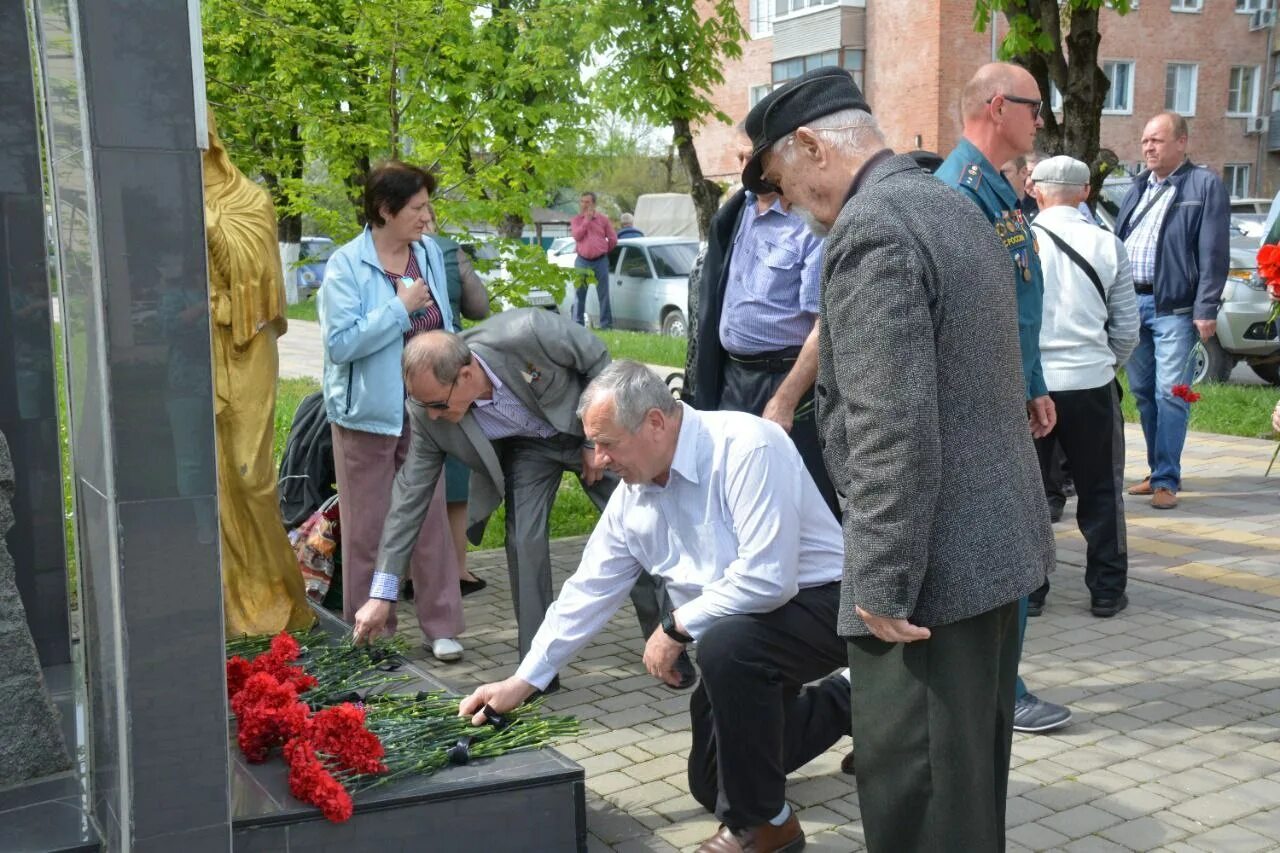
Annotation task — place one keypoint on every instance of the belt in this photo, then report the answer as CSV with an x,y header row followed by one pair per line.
x,y
767,362
1145,289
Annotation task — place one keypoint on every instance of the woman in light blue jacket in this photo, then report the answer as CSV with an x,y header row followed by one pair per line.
x,y
380,289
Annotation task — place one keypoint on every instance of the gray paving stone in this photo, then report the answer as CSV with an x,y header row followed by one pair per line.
x,y
1080,821
1231,839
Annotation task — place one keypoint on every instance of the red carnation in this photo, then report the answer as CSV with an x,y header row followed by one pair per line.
x,y
310,782
339,731
1185,393
238,672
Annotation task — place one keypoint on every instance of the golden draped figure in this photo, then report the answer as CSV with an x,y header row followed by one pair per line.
x,y
262,588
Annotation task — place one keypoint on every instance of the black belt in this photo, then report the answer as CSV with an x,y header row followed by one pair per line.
x,y
767,362
1146,289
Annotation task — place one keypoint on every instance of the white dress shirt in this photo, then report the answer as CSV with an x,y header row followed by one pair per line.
x,y
739,528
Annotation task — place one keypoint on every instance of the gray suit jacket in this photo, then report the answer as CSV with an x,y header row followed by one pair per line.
x,y
922,408
546,361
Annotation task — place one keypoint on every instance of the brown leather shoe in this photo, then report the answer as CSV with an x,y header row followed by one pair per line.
x,y
1164,498
1143,488
765,838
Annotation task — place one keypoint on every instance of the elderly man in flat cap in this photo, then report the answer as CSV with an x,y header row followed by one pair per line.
x,y
1090,326
922,411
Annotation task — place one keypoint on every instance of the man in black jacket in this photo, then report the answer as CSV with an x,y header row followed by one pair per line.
x,y
753,343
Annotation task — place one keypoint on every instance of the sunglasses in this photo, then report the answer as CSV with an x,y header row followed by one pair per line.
x,y
1034,103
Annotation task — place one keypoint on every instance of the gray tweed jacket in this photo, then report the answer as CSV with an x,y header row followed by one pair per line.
x,y
921,407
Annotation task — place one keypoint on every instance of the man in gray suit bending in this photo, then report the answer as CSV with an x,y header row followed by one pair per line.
x,y
501,397
922,414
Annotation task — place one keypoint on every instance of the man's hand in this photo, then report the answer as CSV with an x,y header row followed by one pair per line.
x,y
500,696
1275,418
1044,417
780,409
1206,328
893,630
660,655
371,619
591,472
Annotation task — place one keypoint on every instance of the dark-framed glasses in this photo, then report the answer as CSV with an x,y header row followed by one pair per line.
x,y
440,405
1034,103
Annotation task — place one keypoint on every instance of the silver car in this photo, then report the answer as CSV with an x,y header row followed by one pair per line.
x,y
648,285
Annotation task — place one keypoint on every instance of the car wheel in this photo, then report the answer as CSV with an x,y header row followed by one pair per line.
x,y
674,325
1212,362
1267,371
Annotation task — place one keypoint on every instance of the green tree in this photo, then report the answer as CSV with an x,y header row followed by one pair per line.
x,y
1057,41
661,61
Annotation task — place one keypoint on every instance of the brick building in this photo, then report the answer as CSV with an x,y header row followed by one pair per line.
x,y
1209,59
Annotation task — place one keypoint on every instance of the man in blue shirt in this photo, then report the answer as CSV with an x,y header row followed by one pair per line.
x,y
1001,107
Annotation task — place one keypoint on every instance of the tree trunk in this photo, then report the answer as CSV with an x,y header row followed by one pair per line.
x,y
512,225
706,194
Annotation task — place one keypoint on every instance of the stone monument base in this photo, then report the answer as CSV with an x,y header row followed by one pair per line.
x,y
524,801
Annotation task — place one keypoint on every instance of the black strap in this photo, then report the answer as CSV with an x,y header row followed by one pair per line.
x,y
1079,261
1133,223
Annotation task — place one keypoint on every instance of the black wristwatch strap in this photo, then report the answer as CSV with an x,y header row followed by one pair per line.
x,y
669,626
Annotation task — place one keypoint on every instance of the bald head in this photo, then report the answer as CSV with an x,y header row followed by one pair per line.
x,y
994,78
1164,143
441,353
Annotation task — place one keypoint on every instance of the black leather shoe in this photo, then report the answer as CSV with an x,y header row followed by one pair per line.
x,y
846,764
1034,608
688,675
469,587
1108,607
1055,512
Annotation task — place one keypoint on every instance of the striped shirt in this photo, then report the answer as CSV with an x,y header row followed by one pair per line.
x,y
504,416
1141,242
771,295
428,318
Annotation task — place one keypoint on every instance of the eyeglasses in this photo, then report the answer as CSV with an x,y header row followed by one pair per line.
x,y
440,405
1034,103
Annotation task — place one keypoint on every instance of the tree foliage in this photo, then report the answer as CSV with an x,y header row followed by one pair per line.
x,y
662,61
1057,41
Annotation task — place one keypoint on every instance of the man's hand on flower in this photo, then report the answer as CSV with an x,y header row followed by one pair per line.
x,y
371,620
499,696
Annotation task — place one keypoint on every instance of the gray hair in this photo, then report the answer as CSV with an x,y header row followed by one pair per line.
x,y
634,389
851,132
441,352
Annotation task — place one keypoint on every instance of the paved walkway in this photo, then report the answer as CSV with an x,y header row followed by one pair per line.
x,y
1176,738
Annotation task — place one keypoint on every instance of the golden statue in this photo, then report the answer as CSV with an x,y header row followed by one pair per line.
x,y
262,590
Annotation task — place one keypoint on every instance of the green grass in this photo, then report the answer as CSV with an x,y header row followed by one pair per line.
x,y
572,515
1243,410
304,310
645,347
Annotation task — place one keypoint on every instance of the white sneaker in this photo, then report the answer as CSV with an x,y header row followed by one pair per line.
x,y
446,649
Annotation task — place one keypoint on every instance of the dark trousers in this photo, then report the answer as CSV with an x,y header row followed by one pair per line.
x,y
754,719
1090,432
749,388
600,268
534,469
933,721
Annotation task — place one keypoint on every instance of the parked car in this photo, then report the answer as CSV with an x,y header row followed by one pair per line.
x,y
484,249
312,257
648,285
1258,206
1243,332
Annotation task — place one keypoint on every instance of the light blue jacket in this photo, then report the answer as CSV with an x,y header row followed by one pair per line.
x,y
363,324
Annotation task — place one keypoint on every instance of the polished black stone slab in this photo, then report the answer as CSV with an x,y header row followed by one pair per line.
x,y
523,801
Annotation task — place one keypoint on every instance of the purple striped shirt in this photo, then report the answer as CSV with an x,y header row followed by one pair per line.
x,y
428,318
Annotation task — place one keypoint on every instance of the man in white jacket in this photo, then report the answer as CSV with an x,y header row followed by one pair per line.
x,y
1090,325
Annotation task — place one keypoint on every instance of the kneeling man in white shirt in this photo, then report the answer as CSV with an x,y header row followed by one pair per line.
x,y
720,506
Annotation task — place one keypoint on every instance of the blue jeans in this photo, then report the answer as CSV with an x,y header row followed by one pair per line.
x,y
1159,363
600,266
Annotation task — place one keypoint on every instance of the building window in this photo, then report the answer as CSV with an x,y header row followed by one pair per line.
x,y
1236,177
1120,96
1242,90
789,69
1186,5
786,7
1247,7
1180,88
761,17
757,93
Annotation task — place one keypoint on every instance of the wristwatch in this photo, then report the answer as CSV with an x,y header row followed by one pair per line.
x,y
669,626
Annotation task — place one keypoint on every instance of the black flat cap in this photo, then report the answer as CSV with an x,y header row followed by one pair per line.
x,y
821,92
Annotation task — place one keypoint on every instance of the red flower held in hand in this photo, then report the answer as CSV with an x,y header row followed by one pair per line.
x,y
1184,392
